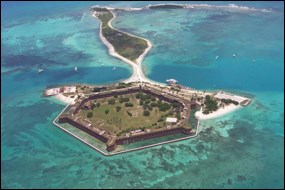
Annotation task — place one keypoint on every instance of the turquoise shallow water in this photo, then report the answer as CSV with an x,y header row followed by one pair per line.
x,y
242,149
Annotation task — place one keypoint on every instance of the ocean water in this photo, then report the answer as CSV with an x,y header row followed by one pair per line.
x,y
244,149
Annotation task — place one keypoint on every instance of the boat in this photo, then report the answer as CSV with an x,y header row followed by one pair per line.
x,y
217,57
40,70
253,61
234,55
102,64
171,81
114,68
75,69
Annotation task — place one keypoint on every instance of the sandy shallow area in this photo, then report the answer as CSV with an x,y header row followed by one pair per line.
x,y
220,112
65,99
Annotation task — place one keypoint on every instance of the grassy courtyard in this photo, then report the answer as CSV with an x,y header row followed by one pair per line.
x,y
119,115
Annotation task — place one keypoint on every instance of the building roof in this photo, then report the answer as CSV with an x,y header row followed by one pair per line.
x,y
171,120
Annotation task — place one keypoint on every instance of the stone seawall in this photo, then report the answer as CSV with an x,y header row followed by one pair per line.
x,y
64,119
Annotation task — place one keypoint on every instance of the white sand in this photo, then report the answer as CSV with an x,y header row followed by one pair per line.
x,y
220,112
138,74
65,99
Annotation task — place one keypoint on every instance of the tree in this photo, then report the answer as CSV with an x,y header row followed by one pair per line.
x,y
106,111
89,114
163,106
93,106
146,113
178,115
121,100
96,89
112,102
118,108
128,104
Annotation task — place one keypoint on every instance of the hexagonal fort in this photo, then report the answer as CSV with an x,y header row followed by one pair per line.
x,y
131,114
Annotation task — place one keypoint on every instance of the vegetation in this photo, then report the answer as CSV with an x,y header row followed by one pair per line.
x,y
98,89
121,100
119,120
93,106
210,105
111,102
166,7
163,106
89,114
118,108
229,101
123,85
128,104
127,46
146,113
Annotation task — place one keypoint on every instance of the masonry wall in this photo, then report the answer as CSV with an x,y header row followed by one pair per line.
x,y
156,134
83,128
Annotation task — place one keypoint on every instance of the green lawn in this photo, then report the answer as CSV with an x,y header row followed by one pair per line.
x,y
121,122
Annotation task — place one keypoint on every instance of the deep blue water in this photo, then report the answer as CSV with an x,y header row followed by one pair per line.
x,y
244,149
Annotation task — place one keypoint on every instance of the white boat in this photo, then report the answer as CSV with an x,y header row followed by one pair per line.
x,y
234,55
114,68
102,64
253,61
75,69
217,57
40,70
171,81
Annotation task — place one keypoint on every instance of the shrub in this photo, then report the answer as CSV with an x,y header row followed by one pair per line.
x,y
106,111
147,101
139,95
121,100
163,106
160,119
98,104
93,106
146,113
128,104
129,113
89,114
118,108
112,102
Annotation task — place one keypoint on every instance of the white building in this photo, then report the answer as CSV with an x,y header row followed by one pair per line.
x,y
171,120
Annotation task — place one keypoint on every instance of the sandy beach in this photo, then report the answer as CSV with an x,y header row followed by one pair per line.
x,y
65,99
137,71
138,74
220,112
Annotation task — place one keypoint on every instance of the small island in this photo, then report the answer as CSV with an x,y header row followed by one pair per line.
x,y
137,108
166,6
129,112
126,45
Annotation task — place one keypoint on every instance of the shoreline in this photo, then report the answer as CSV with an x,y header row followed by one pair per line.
x,y
218,113
64,99
138,74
